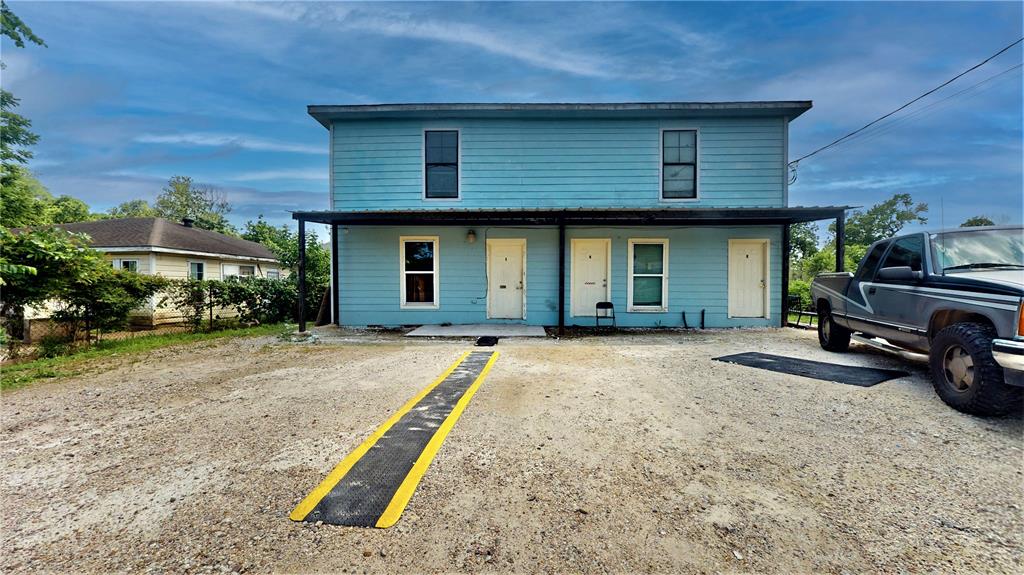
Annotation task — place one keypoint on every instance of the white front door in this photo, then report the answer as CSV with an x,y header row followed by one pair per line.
x,y
590,282
748,278
506,278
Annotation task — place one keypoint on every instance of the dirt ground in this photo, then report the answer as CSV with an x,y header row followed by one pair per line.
x,y
632,453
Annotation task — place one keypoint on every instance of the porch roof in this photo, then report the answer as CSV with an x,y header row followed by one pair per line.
x,y
579,216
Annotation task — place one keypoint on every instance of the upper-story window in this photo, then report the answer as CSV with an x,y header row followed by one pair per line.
x,y
441,169
679,164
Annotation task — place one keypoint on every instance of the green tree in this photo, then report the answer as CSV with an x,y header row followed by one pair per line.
x,y
23,200
66,209
803,240
284,243
206,205
15,133
977,221
883,220
132,209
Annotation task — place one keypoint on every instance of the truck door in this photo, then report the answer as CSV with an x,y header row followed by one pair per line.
x,y
895,302
857,308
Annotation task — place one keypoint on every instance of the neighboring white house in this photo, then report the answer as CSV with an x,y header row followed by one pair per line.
x,y
155,246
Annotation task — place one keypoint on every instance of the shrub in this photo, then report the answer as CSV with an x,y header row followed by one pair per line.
x,y
255,300
801,288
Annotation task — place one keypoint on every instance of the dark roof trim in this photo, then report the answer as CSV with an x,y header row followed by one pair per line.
x,y
580,217
788,108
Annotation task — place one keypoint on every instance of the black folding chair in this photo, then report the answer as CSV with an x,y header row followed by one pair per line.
x,y
606,306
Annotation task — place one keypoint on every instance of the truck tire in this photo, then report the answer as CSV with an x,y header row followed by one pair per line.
x,y
966,376
831,336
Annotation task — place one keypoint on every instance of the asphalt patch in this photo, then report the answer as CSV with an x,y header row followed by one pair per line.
x,y
845,374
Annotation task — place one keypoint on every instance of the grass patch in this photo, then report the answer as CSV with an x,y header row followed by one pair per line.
x,y
804,319
20,374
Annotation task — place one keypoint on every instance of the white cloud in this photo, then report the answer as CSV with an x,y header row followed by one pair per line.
x,y
315,174
230,140
895,182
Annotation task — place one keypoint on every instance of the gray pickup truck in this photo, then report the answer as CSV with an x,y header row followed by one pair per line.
x,y
954,295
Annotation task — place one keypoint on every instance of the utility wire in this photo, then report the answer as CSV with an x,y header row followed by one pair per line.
x,y
793,164
930,109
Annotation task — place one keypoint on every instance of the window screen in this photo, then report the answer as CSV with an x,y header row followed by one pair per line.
x,y
679,164
441,154
418,271
906,252
648,275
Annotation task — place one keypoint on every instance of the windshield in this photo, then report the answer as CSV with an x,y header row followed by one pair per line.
x,y
965,251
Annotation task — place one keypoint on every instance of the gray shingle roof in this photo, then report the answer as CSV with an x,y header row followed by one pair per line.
x,y
161,233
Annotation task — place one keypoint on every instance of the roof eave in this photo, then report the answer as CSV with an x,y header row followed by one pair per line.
x,y
325,114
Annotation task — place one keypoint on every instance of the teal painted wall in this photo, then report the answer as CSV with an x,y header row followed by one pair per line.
x,y
508,163
698,275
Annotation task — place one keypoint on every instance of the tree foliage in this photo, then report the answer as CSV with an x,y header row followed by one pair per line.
x,y
803,240
15,133
23,200
284,243
253,300
66,209
883,220
977,221
206,205
132,209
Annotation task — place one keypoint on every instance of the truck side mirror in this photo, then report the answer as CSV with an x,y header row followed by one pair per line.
x,y
900,273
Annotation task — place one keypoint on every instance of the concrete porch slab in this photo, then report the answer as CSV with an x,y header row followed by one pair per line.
x,y
478,330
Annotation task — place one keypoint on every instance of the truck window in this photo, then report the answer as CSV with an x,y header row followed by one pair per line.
x,y
906,252
870,264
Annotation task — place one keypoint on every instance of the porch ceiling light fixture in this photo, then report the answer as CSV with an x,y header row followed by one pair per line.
x,y
470,236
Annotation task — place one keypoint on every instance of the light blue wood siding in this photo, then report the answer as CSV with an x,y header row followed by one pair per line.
x,y
698,275
509,163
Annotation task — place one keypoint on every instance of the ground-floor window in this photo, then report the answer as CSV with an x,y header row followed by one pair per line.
x,y
273,275
648,275
234,270
196,270
126,265
419,273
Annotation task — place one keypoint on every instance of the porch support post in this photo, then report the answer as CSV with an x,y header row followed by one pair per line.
x,y
302,276
841,241
786,247
561,279
335,288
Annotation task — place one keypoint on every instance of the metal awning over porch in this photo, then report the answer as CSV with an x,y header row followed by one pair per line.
x,y
578,216
562,218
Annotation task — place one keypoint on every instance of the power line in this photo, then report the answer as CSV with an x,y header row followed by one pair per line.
x,y
793,164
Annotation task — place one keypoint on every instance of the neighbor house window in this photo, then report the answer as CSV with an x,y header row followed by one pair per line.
x,y
679,164
419,271
126,265
235,270
648,275
441,169
273,275
196,270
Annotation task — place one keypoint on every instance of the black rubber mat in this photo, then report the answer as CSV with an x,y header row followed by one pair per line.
x,y
362,495
847,374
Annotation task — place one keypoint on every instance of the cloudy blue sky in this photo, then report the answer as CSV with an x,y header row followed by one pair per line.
x,y
128,94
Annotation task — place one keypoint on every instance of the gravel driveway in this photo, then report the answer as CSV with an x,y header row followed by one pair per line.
x,y
613,454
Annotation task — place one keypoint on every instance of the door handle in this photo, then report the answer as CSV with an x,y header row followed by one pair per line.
x,y
871,291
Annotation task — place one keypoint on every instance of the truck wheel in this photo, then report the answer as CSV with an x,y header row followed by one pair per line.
x,y
966,376
831,335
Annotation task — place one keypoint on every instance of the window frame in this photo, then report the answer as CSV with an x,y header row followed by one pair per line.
x,y
458,164
188,271
238,267
118,264
276,274
696,163
403,304
892,245
630,274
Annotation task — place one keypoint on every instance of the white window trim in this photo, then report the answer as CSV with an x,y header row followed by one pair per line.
x,y
767,253
661,164
188,269
120,262
276,276
664,276
224,275
402,273
423,164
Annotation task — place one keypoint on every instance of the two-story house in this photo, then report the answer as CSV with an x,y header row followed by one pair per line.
x,y
534,213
